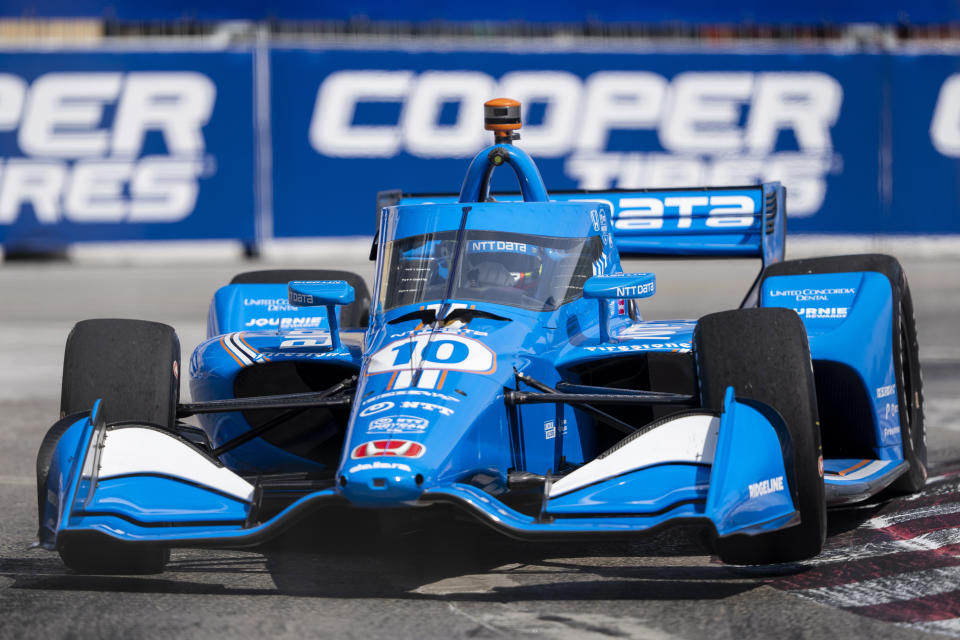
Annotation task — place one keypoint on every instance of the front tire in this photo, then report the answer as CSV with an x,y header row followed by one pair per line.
x,y
134,367
764,355
97,553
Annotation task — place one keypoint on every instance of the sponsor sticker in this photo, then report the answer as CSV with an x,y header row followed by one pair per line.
x,y
812,295
398,424
436,395
371,466
454,328
255,323
307,354
285,323
886,390
890,409
655,331
301,299
765,487
306,339
388,448
374,409
301,323
821,313
491,246
550,429
271,304
682,347
637,290
426,406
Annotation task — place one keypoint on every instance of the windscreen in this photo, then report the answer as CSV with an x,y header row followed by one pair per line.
x,y
533,272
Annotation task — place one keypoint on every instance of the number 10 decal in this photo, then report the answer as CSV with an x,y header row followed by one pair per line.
x,y
444,352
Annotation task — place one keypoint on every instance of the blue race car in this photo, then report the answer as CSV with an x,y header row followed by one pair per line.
x,y
500,368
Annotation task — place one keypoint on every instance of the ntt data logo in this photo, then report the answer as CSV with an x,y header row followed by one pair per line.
x,y
82,135
713,128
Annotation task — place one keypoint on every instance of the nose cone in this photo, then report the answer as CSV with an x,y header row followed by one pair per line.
x,y
379,481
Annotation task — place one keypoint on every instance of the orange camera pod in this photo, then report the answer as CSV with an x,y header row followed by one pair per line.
x,y
502,116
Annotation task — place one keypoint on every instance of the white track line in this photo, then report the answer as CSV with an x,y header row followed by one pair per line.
x,y
924,542
905,586
950,627
881,522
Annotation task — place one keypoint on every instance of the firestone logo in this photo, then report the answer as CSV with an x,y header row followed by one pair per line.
x,y
82,136
697,118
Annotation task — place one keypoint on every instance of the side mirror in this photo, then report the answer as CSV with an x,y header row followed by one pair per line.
x,y
618,285
315,293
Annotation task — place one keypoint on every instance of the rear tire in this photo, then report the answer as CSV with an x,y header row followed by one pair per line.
x,y
134,367
355,315
764,355
906,354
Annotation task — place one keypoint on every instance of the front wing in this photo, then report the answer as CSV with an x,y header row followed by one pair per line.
x,y
731,473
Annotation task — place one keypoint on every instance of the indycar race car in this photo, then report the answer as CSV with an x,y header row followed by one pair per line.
x,y
500,368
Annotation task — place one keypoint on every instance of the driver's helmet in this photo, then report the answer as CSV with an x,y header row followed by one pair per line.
x,y
504,263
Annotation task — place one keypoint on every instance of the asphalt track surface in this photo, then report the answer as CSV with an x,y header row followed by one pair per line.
x,y
888,571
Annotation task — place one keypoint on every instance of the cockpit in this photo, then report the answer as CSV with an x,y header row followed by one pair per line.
x,y
533,272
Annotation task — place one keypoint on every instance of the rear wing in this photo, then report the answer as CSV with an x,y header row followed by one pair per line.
x,y
701,222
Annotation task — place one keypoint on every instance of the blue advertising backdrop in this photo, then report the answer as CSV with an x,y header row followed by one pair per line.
x,y
125,146
138,145
535,11
851,135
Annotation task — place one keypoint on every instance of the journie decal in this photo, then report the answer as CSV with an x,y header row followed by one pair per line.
x,y
832,313
286,323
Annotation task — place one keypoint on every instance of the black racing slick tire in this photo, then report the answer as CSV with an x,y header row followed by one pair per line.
x,y
906,353
765,356
134,367
355,315
97,553
45,457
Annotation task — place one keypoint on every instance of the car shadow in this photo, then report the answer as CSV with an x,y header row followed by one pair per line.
x,y
434,554
43,571
439,556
